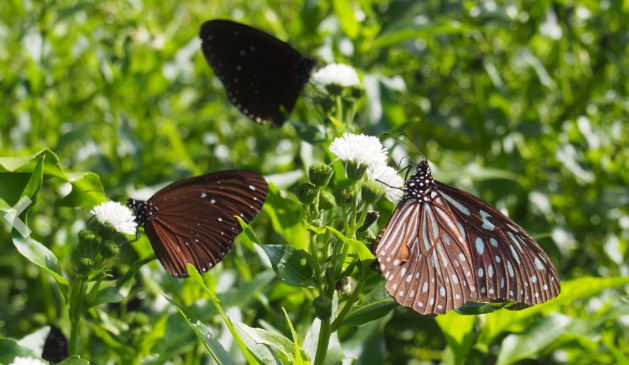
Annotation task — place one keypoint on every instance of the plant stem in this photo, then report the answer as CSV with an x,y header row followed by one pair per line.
x,y
324,340
350,302
77,296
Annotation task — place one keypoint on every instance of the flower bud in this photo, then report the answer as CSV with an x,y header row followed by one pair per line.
x,y
355,171
369,220
109,249
357,91
348,103
307,193
106,231
320,174
87,242
322,307
327,104
85,265
317,223
334,89
343,196
326,200
372,191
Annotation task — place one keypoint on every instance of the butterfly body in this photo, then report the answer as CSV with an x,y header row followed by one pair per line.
x,y
443,247
262,75
192,220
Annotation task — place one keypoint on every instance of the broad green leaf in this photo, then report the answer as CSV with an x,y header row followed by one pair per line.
x,y
275,340
74,360
459,333
87,191
571,290
249,237
376,304
286,218
293,266
194,274
531,342
345,14
476,308
261,350
220,355
34,251
364,253
114,291
406,32
9,349
309,133
297,359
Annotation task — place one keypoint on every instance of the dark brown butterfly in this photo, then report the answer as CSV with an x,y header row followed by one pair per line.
x,y
56,346
443,247
192,220
261,74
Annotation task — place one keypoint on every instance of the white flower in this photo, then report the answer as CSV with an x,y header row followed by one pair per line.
x,y
27,361
338,74
389,179
360,148
116,214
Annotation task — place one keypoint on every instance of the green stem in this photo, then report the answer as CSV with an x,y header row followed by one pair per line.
x,y
350,302
315,258
324,340
339,110
77,296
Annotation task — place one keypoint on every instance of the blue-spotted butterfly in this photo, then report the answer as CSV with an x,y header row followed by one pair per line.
x,y
444,247
192,220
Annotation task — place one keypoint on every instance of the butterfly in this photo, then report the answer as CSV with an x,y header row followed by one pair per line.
x,y
56,346
262,75
192,220
443,247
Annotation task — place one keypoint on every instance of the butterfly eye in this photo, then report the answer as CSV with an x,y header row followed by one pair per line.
x,y
460,249
262,75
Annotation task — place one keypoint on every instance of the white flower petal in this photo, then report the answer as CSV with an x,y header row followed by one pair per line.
x,y
116,214
337,74
27,361
389,179
360,148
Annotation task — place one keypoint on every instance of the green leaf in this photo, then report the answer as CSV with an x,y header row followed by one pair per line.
x,y
74,360
113,291
220,355
34,251
286,218
533,340
249,237
335,352
376,304
275,340
293,266
298,359
87,191
9,349
345,14
194,274
412,31
364,253
476,308
314,135
459,333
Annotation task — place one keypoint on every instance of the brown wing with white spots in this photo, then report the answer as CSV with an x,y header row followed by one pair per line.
x,y
508,263
424,258
194,218
260,73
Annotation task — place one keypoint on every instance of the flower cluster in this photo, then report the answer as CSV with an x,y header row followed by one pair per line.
x,y
117,215
336,74
368,152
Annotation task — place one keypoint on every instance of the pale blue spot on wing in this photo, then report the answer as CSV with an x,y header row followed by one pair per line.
x,y
480,247
461,229
493,242
486,223
456,204
538,264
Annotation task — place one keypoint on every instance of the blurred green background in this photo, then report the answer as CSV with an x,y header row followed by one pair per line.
x,y
522,103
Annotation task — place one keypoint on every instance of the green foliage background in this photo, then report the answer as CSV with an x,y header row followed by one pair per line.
x,y
522,103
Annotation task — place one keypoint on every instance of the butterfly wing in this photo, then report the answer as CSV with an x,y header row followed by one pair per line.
x,y
424,260
260,73
438,254
508,263
195,220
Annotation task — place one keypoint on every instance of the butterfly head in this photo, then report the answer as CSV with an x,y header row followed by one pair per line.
x,y
420,185
144,211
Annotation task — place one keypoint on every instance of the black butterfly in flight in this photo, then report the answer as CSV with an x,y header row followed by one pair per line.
x,y
263,76
192,220
443,247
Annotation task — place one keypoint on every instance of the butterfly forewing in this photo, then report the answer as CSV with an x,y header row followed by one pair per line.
x,y
443,247
261,74
193,219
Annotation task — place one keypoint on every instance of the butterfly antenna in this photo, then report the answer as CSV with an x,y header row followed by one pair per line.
x,y
413,146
